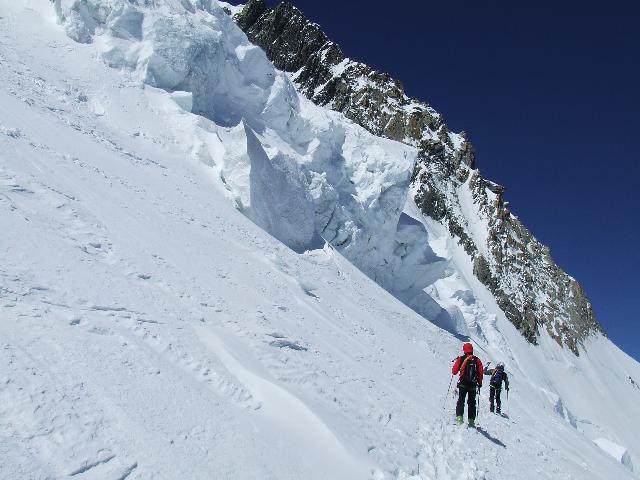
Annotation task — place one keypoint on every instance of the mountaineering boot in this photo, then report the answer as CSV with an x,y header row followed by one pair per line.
x,y
498,410
459,420
472,422
492,409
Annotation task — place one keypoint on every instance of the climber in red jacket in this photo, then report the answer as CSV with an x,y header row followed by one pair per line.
x,y
471,374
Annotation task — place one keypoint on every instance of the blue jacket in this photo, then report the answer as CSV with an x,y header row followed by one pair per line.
x,y
497,377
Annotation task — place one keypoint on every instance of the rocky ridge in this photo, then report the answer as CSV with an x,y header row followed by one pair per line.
x,y
527,284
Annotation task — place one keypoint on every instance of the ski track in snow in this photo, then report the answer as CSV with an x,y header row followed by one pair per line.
x,y
150,331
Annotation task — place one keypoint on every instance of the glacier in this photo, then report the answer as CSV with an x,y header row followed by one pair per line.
x,y
186,289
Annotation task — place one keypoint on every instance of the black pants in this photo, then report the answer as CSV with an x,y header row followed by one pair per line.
x,y
470,394
494,392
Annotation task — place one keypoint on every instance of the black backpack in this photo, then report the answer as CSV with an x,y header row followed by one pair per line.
x,y
470,374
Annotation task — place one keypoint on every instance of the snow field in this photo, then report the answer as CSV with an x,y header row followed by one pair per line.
x,y
149,330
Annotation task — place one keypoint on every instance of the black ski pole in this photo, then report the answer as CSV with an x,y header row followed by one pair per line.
x,y
444,403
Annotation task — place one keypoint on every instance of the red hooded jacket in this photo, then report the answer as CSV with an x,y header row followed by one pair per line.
x,y
460,364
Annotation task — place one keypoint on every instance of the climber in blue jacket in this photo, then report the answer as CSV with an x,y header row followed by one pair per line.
x,y
498,375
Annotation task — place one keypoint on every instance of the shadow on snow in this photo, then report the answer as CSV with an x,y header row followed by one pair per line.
x,y
488,436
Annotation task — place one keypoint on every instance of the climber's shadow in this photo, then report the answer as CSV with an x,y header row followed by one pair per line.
x,y
488,436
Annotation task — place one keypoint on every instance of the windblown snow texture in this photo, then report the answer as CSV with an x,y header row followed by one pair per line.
x,y
179,297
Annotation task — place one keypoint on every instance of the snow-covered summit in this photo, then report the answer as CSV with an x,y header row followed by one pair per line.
x,y
528,286
149,330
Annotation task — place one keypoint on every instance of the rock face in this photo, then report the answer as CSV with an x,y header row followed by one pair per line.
x,y
528,286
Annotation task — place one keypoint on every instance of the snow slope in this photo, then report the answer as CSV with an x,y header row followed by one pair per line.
x,y
150,329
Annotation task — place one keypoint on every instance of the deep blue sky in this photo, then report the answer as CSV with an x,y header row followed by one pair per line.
x,y
549,93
